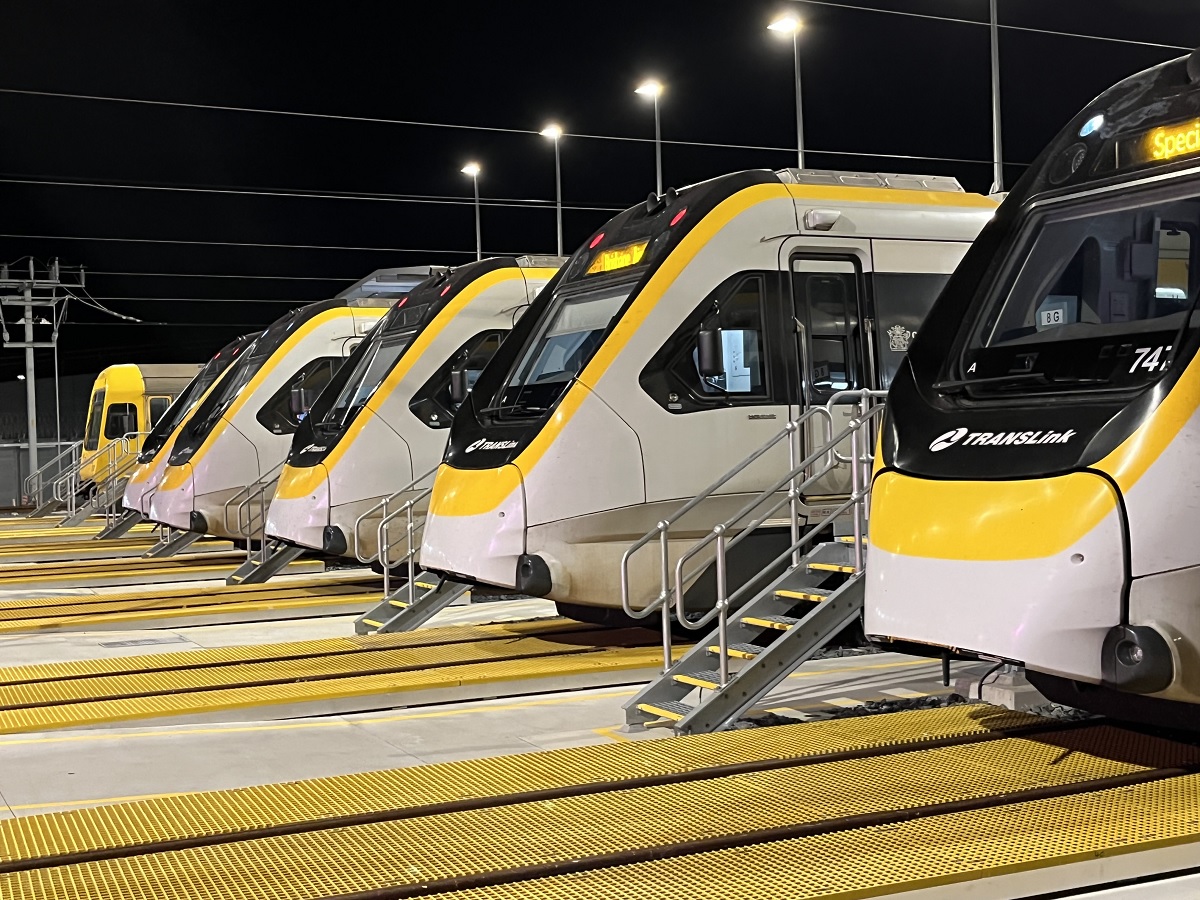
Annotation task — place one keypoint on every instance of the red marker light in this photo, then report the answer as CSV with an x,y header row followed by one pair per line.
x,y
403,300
445,290
678,216
597,239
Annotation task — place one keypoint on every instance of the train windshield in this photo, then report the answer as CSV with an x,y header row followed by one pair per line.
x,y
369,365
574,328
1100,300
183,404
369,372
91,438
258,352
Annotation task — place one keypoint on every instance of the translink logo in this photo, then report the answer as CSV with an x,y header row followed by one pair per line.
x,y
999,439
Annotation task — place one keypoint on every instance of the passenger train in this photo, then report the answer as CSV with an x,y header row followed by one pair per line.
x,y
241,430
126,400
683,334
156,446
1035,497
383,419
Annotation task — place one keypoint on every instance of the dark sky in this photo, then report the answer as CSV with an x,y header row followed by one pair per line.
x,y
874,84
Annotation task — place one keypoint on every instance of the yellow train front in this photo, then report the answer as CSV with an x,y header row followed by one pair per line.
x,y
126,402
1035,495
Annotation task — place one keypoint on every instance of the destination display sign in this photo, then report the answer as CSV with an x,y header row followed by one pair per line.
x,y
619,257
1160,145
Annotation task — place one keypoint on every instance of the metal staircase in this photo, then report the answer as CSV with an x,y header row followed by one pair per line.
x,y
113,465
780,625
250,506
121,524
37,485
420,596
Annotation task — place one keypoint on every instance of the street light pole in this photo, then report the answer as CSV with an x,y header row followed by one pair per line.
x,y
473,170
791,25
997,142
654,89
555,133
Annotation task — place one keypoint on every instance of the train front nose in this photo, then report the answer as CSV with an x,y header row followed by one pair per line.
x,y
299,511
174,502
475,527
1028,571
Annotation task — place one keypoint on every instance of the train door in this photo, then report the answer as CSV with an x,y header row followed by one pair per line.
x,y
832,338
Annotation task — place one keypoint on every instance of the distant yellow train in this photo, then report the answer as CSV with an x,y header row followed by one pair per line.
x,y
127,400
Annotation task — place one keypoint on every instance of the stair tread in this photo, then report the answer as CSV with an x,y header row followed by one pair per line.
x,y
742,651
782,623
792,594
710,679
831,567
669,709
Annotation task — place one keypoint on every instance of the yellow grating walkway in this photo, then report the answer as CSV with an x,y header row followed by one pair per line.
x,y
482,781
218,656
75,612
74,548
449,850
129,571
321,677
938,851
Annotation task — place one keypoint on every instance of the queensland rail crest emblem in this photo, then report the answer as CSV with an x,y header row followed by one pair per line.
x,y
899,338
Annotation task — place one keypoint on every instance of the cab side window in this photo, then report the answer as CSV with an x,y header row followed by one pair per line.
x,y
283,413
122,419
432,403
736,311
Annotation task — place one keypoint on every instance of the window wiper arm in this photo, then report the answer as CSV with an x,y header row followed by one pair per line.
x,y
957,386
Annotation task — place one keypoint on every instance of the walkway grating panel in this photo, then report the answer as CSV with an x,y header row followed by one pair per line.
x,y
939,851
484,781
466,848
217,656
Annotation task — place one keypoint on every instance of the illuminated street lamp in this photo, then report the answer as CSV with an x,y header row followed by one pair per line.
x,y
472,169
789,24
653,89
554,133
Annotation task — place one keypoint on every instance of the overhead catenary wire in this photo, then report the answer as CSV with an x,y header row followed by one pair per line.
x,y
257,245
485,128
1026,28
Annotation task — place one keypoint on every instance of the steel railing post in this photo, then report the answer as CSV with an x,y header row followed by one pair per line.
x,y
722,608
665,596
408,555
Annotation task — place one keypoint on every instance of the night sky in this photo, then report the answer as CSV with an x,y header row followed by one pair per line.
x,y
874,84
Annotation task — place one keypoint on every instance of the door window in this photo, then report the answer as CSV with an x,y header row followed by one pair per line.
x,y
158,407
826,296
122,419
284,412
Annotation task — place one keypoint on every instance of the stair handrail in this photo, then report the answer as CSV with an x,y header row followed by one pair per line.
x,y
35,482
667,595
858,430
382,507
244,499
112,488
412,526
65,488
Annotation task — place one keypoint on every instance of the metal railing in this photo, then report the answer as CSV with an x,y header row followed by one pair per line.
x,y
413,523
35,483
250,506
761,509
112,463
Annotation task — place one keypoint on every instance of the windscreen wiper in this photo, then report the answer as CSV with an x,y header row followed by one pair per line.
x,y
958,386
1015,380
